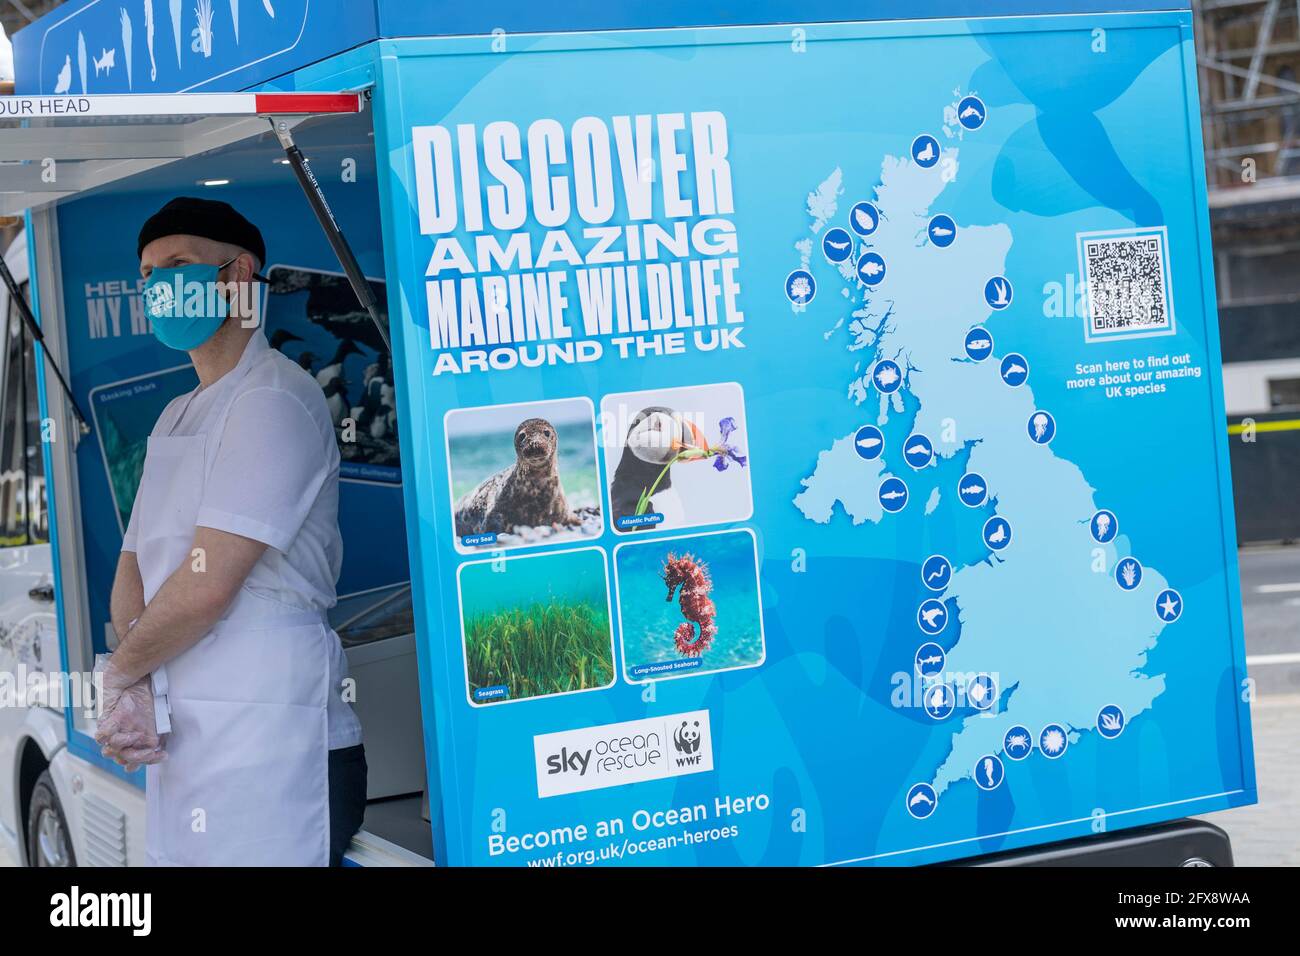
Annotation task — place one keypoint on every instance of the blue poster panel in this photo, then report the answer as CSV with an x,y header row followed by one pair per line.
x,y
814,449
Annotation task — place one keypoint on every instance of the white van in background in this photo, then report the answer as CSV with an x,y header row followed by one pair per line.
x,y
35,767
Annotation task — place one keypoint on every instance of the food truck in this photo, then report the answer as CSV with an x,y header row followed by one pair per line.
x,y
777,434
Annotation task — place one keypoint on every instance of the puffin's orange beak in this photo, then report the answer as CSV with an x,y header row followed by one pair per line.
x,y
694,438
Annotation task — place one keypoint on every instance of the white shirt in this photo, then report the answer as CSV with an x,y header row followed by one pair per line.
x,y
275,479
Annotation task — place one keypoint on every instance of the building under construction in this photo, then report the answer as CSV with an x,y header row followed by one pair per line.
x,y
1249,53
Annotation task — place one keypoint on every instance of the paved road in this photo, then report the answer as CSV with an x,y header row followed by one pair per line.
x,y
1269,834
1270,598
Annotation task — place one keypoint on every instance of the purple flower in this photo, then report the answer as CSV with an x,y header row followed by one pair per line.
x,y
725,453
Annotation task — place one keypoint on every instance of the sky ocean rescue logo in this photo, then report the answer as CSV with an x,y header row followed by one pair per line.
x,y
591,758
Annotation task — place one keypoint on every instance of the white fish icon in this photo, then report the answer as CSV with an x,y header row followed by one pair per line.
x,y
837,245
978,692
918,449
81,59
148,38
972,489
105,61
864,219
892,495
125,19
868,442
872,268
999,535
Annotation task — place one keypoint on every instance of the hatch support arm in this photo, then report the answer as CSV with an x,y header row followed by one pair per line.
x,y
316,199
34,330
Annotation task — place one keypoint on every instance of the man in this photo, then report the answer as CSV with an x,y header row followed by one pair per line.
x,y
228,565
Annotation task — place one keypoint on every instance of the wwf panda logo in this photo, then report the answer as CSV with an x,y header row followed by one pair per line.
x,y
686,738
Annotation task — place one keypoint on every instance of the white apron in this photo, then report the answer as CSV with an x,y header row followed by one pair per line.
x,y
246,781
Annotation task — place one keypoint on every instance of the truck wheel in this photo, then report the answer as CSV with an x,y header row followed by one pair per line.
x,y
48,840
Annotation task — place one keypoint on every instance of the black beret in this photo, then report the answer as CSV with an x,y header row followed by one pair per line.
x,y
207,218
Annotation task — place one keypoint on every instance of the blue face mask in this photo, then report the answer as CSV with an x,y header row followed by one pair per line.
x,y
183,305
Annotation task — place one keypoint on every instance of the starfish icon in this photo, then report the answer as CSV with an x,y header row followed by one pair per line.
x,y
1168,606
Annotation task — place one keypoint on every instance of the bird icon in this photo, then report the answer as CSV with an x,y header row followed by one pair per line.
x,y
64,81
1000,293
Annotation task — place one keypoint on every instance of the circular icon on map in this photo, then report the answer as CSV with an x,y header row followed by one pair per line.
x,y
931,616
1052,741
1104,526
1018,743
940,701
989,772
971,112
864,218
918,451
942,231
869,442
936,572
998,293
887,376
997,532
981,691
1015,369
1169,605
837,244
925,151
800,287
979,344
893,495
871,268
972,489
921,800
1110,721
929,659
1128,573
1041,427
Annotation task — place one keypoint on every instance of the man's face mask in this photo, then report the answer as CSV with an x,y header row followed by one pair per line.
x,y
183,304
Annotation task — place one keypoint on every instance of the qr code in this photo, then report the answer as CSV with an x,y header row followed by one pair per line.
x,y
1127,280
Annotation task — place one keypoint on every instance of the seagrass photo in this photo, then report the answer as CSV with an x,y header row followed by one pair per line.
x,y
536,626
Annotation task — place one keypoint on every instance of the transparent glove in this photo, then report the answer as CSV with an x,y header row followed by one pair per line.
x,y
126,731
